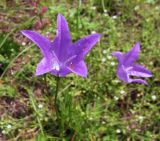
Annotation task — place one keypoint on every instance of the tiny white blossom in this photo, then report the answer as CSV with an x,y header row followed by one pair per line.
x,y
103,60
118,131
136,7
114,17
105,10
141,117
40,106
47,32
93,7
93,32
112,63
122,92
23,43
109,57
90,118
9,126
105,15
116,81
103,122
104,51
3,132
116,98
151,63
154,97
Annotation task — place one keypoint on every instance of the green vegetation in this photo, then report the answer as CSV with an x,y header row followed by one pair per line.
x,y
97,108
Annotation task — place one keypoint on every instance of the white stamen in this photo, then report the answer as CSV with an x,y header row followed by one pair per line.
x,y
56,67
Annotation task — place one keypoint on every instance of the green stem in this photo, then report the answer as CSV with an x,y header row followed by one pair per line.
x,y
46,85
103,5
78,14
56,95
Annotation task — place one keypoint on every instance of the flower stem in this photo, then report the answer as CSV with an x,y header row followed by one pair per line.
x,y
56,95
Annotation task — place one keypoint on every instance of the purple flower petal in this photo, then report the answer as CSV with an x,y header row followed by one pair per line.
x,y
62,40
119,56
63,72
139,81
139,71
83,46
132,56
42,42
122,74
43,67
79,69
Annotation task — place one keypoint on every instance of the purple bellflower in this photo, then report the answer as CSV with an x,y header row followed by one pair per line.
x,y
62,57
127,66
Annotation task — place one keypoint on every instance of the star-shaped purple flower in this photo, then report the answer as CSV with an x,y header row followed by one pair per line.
x,y
61,56
127,66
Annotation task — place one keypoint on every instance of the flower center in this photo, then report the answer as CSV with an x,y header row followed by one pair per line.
x,y
56,66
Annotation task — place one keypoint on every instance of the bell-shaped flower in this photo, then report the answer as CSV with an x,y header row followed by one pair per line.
x,y
60,56
127,70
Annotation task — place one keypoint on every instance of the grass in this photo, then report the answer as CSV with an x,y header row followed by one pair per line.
x,y
100,107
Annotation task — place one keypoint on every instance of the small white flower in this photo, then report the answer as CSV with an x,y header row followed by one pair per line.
x,y
40,106
105,10
93,32
103,122
103,60
104,51
109,57
122,92
90,118
114,17
3,132
23,43
9,126
141,117
93,8
116,98
47,32
113,63
151,63
154,97
136,7
118,131
116,81
105,15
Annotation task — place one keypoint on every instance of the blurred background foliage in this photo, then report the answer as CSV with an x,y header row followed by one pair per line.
x,y
97,108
